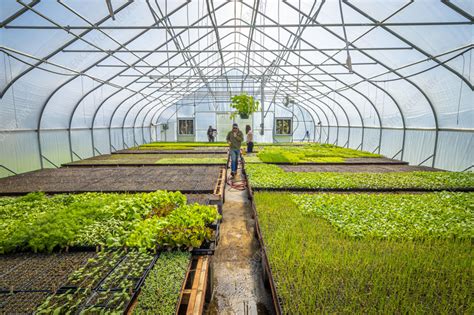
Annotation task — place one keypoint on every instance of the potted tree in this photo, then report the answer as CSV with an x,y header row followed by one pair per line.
x,y
244,105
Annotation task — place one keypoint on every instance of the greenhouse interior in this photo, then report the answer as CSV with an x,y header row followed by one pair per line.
x,y
236,157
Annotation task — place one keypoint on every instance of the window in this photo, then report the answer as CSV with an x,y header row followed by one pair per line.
x,y
186,126
283,126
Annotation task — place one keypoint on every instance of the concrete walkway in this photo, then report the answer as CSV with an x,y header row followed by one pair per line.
x,y
238,284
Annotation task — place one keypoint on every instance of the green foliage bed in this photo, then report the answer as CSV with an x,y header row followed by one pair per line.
x,y
252,159
353,269
160,293
323,153
147,221
419,216
272,176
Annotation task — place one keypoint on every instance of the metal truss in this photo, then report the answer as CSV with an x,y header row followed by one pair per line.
x,y
213,71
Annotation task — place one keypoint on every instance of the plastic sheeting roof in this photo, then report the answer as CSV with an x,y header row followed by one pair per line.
x,y
116,63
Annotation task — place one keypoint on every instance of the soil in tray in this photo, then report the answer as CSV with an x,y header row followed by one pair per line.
x,y
152,159
21,303
203,199
183,148
27,271
159,150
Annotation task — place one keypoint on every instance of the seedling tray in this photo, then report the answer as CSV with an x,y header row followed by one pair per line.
x,y
101,295
209,247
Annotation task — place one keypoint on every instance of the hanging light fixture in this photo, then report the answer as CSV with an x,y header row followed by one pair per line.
x,y
348,59
349,62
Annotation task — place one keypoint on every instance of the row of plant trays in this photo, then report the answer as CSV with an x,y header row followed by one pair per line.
x,y
268,277
196,289
206,250
92,292
360,190
208,247
224,151
98,165
349,190
382,161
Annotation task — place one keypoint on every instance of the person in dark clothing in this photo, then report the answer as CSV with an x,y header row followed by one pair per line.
x,y
249,133
210,134
234,139
306,135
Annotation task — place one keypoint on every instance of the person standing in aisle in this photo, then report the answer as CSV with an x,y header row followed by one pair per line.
x,y
306,135
210,134
249,133
234,139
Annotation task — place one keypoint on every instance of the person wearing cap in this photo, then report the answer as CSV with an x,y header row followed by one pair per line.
x,y
234,139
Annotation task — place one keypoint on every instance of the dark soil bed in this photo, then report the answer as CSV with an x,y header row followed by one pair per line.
x,y
185,178
197,150
137,159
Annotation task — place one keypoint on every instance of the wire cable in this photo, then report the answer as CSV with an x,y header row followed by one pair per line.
x,y
423,71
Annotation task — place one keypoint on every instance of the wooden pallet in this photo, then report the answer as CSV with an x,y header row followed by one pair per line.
x,y
193,293
219,189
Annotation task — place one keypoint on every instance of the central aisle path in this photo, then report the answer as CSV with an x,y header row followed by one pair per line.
x,y
238,284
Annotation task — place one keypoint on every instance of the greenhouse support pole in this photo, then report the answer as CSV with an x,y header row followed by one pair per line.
x,y
403,142
380,139
40,150
70,145
320,132
314,131
134,138
110,139
435,149
262,96
92,141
